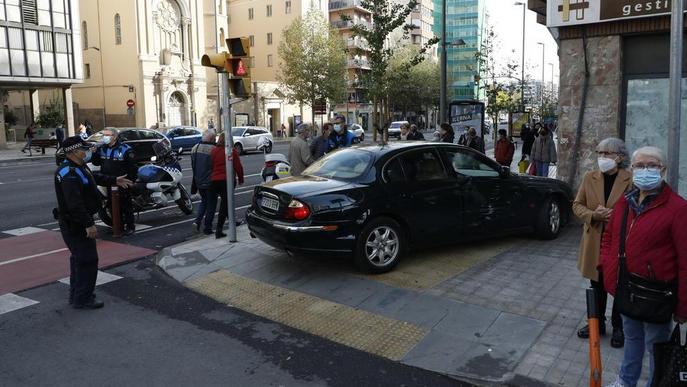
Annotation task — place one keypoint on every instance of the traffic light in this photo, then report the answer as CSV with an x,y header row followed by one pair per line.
x,y
220,61
239,67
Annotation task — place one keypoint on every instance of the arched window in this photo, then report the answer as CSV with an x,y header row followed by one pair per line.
x,y
118,29
84,34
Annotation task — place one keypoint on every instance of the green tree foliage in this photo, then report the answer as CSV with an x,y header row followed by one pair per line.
x,y
412,88
387,16
52,115
312,59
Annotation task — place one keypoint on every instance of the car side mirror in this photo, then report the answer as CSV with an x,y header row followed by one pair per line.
x,y
246,134
462,179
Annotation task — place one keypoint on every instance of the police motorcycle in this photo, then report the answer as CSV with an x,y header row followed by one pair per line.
x,y
276,165
157,185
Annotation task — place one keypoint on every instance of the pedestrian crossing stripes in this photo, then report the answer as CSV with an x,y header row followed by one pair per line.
x,y
11,302
22,231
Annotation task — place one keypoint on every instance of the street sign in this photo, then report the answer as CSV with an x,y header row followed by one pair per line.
x,y
130,103
320,106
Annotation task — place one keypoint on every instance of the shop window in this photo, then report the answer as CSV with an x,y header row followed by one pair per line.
x,y
118,29
646,119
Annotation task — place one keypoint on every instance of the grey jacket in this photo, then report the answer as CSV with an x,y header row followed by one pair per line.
x,y
299,156
201,163
544,149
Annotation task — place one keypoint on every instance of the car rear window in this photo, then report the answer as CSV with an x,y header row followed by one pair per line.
x,y
345,164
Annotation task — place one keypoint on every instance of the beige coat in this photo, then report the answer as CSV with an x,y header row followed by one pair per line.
x,y
589,197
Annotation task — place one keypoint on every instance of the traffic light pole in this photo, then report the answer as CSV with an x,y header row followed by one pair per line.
x,y
228,151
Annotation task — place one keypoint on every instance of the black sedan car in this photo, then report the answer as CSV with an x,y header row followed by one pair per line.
x,y
141,141
376,202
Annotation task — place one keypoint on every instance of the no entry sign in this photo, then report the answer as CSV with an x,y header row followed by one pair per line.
x,y
130,103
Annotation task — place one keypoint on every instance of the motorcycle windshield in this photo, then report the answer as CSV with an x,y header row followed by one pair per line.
x,y
161,149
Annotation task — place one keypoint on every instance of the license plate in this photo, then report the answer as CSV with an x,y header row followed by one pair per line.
x,y
270,204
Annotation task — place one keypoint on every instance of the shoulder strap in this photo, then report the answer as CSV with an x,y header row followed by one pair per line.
x,y
623,232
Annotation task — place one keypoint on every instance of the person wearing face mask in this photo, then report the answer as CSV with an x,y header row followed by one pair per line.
x,y
544,152
78,200
470,140
644,261
341,137
599,192
116,159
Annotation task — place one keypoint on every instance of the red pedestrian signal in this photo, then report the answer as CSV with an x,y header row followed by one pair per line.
x,y
240,69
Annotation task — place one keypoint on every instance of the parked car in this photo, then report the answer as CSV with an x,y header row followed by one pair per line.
x,y
184,137
248,138
358,130
140,139
395,129
375,202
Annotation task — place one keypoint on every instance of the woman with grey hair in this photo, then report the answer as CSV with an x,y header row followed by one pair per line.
x,y
599,192
644,262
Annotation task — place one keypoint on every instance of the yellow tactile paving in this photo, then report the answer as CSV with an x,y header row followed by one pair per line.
x,y
343,324
419,271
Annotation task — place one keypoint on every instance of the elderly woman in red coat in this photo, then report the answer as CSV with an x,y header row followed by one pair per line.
x,y
655,249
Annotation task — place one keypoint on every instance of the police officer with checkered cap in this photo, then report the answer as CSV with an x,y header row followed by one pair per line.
x,y
78,199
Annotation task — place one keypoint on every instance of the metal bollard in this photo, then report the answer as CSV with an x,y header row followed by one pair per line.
x,y
595,369
116,213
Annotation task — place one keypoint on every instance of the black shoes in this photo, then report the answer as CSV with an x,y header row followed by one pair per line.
x,y
220,235
583,333
618,338
93,303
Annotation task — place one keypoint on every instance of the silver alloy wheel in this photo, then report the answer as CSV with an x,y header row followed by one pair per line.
x,y
382,246
554,217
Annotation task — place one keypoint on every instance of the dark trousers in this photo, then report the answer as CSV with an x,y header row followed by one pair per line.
x,y
83,263
601,301
207,207
220,188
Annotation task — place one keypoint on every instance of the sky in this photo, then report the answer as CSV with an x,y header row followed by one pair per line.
x,y
506,18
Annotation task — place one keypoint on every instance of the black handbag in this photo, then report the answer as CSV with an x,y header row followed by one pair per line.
x,y
670,362
643,299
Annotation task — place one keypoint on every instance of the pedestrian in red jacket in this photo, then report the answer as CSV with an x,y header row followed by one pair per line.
x,y
655,249
219,180
504,149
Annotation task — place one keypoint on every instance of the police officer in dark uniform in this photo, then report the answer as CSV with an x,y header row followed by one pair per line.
x,y
117,159
78,200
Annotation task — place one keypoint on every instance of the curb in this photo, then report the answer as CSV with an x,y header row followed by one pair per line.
x,y
25,160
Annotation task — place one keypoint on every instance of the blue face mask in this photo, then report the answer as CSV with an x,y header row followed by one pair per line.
x,y
88,156
338,128
647,179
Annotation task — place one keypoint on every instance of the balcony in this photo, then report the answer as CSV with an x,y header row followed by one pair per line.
x,y
348,24
358,43
343,4
355,84
359,64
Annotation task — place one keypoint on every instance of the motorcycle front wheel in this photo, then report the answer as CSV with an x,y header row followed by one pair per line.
x,y
185,204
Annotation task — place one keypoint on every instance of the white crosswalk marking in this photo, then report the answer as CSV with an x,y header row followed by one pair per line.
x,y
102,279
24,231
10,302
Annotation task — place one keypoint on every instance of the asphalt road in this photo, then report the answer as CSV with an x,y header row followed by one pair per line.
x,y
154,332
27,197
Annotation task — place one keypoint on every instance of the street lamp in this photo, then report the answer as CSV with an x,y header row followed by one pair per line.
x,y
522,79
444,43
543,51
102,79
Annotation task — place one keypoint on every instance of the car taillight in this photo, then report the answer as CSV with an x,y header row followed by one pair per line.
x,y
297,210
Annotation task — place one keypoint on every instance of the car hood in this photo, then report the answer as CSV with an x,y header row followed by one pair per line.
x,y
302,186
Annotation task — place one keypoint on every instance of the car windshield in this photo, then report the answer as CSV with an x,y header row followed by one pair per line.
x,y
345,164
395,124
238,132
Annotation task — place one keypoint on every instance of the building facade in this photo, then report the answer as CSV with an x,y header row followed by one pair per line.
x,y
422,18
39,50
142,63
263,21
620,61
466,22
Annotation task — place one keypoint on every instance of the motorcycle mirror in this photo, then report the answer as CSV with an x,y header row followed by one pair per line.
x,y
153,159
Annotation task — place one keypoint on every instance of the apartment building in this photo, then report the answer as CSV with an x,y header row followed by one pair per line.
x,y
422,18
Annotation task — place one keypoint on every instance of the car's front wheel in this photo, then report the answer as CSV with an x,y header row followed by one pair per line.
x,y
549,220
239,148
379,246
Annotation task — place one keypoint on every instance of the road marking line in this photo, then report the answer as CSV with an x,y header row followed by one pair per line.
x,y
33,256
102,278
24,231
181,222
10,302
138,226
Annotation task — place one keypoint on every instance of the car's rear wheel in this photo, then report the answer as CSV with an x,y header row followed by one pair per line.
x,y
239,148
380,246
268,148
362,137
549,220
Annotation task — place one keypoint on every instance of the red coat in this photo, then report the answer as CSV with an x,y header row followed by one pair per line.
x,y
503,151
658,237
219,172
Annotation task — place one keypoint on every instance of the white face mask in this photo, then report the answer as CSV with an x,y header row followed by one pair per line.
x,y
606,165
107,139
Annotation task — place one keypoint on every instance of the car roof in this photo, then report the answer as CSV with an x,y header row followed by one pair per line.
x,y
399,122
382,149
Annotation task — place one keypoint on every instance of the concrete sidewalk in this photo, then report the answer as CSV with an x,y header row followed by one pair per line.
x,y
13,153
495,312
